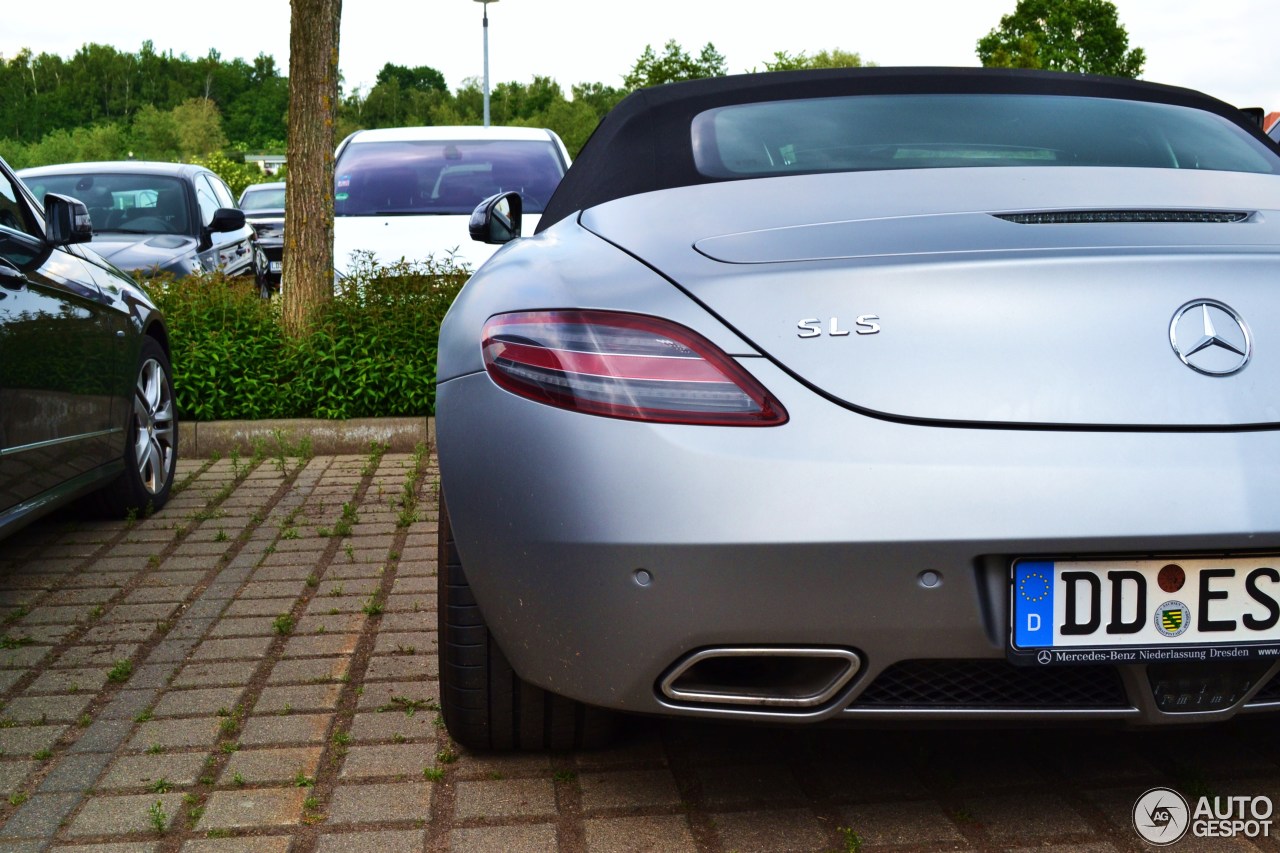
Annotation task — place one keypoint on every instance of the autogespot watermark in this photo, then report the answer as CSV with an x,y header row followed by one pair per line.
x,y
1162,816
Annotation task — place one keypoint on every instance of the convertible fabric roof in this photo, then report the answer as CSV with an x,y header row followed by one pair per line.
x,y
644,144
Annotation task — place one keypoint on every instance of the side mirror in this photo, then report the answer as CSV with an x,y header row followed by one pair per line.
x,y
227,219
66,220
497,219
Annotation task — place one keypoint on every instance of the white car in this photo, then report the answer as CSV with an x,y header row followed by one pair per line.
x,y
408,192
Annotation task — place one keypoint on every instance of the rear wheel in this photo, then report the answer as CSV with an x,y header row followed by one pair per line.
x,y
484,703
151,446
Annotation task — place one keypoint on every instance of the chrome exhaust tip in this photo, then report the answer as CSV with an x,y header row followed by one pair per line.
x,y
763,677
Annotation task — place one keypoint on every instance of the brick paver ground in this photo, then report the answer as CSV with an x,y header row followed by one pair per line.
x,y
253,669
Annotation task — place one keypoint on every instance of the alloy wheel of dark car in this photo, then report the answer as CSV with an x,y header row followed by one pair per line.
x,y
484,703
151,452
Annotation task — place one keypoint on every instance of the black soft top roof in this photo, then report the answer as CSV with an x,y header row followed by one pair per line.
x,y
644,144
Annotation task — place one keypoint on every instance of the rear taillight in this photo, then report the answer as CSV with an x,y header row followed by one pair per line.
x,y
624,366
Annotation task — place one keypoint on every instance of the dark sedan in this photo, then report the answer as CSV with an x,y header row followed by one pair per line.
x,y
170,217
263,206
86,395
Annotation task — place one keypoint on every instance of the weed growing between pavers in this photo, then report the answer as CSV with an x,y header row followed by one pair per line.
x,y
195,809
852,840
408,492
121,671
377,449
159,819
409,706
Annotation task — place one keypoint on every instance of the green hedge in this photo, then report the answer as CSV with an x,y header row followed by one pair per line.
x,y
372,352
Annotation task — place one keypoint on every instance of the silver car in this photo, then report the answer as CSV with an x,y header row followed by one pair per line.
x,y
875,394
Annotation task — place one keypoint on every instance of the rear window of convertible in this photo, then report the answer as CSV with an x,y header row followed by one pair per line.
x,y
867,132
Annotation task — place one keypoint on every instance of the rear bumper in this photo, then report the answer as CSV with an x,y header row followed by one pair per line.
x,y
819,534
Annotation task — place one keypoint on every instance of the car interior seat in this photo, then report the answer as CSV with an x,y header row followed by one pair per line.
x,y
98,200
390,190
171,207
462,191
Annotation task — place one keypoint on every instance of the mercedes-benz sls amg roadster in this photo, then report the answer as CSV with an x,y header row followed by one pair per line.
x,y
871,394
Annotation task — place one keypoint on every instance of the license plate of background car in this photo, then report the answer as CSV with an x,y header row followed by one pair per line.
x,y
1143,611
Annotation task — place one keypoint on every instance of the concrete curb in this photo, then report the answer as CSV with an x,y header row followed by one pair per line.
x,y
209,438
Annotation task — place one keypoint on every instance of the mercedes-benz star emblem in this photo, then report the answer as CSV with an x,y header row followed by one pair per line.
x,y
1210,337
1045,656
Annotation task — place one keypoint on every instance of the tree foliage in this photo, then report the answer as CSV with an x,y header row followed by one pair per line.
x,y
423,78
837,58
674,65
106,104
397,101
193,130
1083,36
99,85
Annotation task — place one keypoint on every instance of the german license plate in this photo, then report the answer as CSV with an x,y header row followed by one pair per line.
x,y
1144,611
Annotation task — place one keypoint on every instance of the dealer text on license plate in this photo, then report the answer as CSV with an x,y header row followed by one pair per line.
x,y
1093,611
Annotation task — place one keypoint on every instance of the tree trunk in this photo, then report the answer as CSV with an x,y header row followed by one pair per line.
x,y
313,100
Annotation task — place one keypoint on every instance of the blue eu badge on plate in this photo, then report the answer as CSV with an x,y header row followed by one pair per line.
x,y
1033,604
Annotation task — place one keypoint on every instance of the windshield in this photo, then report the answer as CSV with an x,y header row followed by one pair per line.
x,y
267,198
138,204
417,178
938,131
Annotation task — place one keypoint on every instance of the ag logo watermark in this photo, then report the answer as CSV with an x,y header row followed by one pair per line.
x,y
1162,816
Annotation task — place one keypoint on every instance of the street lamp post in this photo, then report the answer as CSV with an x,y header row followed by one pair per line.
x,y
485,4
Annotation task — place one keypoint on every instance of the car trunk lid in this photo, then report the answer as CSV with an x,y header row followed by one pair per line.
x,y
1016,296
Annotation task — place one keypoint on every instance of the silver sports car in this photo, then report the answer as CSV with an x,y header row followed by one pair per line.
x,y
871,394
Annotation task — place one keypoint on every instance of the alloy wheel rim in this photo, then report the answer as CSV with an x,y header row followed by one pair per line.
x,y
154,438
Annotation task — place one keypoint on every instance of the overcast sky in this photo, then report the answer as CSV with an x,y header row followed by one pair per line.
x,y
1221,47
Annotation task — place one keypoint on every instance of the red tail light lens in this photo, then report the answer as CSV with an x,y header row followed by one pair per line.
x,y
624,366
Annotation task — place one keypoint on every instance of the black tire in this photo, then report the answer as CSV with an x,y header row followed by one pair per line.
x,y
484,703
151,440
